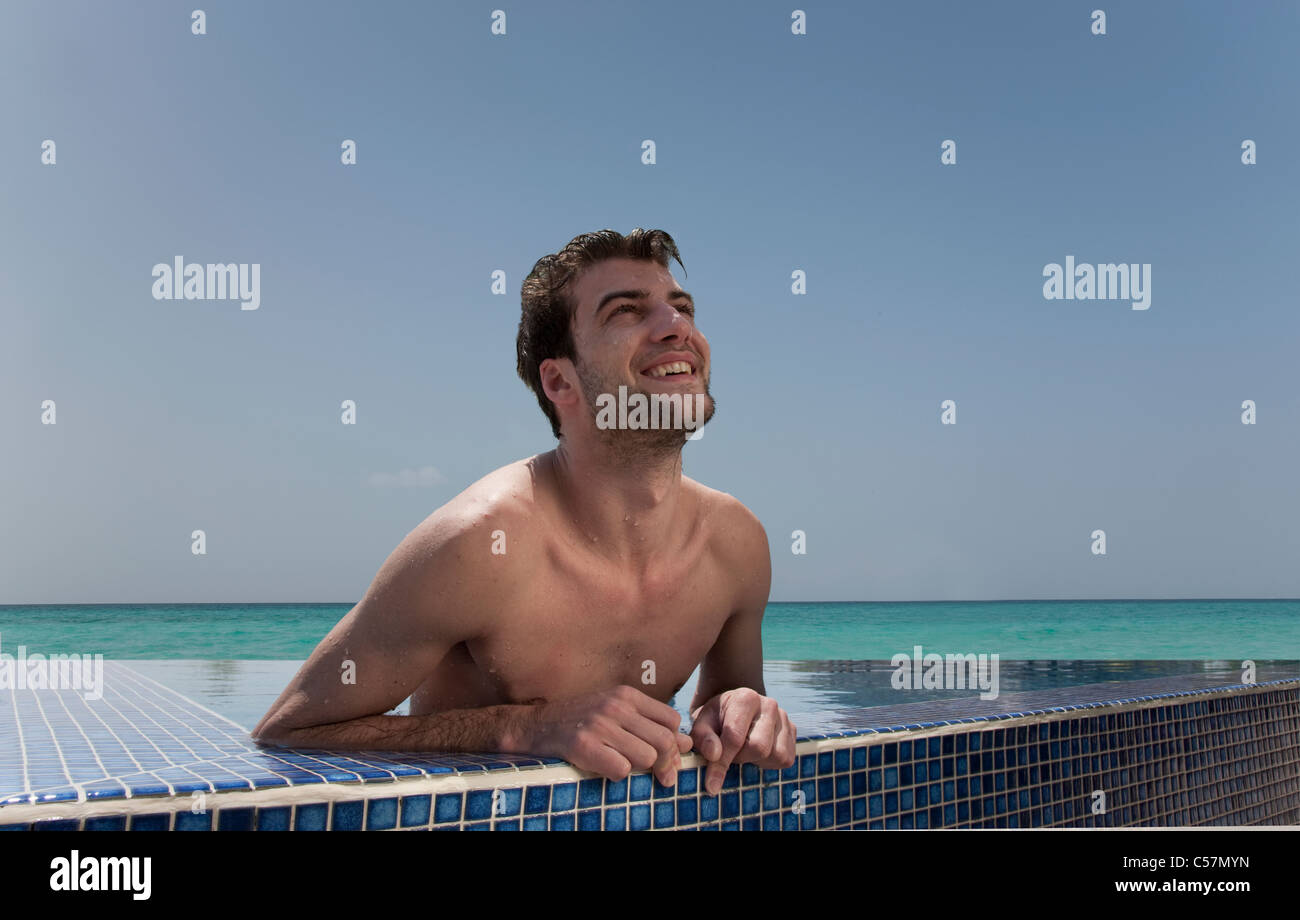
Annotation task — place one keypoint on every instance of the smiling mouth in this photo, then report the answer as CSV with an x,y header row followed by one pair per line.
x,y
675,370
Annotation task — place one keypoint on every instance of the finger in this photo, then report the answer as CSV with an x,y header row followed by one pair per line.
x,y
776,759
604,761
704,736
666,772
639,753
762,734
652,709
706,724
736,721
791,741
659,739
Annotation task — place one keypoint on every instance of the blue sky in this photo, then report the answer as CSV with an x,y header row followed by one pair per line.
x,y
775,152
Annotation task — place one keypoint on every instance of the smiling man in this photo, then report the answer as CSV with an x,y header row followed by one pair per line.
x,y
556,605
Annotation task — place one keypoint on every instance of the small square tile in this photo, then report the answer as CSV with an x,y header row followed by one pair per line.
x,y
310,817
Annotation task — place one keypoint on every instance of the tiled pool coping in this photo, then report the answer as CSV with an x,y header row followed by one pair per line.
x,y
1165,751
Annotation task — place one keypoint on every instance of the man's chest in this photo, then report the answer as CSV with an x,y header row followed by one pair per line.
x,y
572,635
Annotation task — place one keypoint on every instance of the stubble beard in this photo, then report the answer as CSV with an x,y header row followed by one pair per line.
x,y
636,445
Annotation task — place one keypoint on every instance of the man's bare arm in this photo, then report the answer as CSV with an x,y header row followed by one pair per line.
x,y
736,658
734,720
418,607
434,592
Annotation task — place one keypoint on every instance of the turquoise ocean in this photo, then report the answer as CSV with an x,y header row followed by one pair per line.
x,y
1092,629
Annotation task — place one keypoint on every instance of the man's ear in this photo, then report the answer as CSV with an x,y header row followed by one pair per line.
x,y
559,381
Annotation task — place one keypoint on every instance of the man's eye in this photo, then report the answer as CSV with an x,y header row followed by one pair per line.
x,y
626,306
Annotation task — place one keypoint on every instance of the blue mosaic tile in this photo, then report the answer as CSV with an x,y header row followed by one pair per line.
x,y
274,818
730,804
537,800
310,817
348,816
641,785
590,793
664,814
448,807
415,810
563,796
615,791
188,821
478,805
151,822
235,819
381,814
688,781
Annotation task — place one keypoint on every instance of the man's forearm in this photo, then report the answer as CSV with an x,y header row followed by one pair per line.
x,y
504,729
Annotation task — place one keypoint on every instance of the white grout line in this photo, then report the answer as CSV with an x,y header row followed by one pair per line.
x,y
89,744
58,748
22,744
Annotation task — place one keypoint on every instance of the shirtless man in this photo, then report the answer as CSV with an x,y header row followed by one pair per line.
x,y
528,613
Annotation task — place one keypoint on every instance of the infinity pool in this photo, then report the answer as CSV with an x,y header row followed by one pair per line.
x,y
1092,744
821,693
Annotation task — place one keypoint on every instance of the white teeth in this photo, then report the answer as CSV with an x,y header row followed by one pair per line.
x,y
677,367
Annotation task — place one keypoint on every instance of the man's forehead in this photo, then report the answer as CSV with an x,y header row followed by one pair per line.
x,y
618,274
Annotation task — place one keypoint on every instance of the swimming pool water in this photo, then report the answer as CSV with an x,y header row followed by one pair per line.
x,y
810,691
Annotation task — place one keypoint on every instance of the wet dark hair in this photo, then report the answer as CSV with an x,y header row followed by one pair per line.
x,y
546,317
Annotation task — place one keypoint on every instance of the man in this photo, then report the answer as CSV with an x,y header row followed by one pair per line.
x,y
556,605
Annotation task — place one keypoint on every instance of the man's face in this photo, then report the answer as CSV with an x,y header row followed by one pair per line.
x,y
632,318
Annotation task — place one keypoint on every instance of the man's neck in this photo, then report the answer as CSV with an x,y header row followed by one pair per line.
x,y
624,508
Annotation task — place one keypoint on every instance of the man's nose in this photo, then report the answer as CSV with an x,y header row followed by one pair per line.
x,y
671,322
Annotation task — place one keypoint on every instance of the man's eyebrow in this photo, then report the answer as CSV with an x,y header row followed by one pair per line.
x,y
678,294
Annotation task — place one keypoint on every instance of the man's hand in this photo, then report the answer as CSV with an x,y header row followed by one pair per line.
x,y
612,732
741,726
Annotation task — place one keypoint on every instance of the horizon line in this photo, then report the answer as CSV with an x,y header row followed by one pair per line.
x,y
1000,600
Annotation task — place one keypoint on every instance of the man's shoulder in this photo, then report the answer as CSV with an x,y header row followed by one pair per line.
x,y
485,514
731,523
738,542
